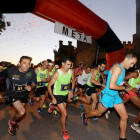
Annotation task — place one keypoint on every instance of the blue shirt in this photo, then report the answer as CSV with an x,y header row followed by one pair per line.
x,y
121,77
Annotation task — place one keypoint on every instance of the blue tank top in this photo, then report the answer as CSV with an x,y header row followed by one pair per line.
x,y
119,82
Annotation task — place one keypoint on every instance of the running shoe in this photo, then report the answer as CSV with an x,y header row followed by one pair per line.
x,y
31,101
12,128
84,119
50,110
75,98
95,119
44,106
65,135
136,128
82,107
55,113
40,111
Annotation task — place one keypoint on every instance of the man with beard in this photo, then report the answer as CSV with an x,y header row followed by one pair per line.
x,y
92,82
22,80
109,97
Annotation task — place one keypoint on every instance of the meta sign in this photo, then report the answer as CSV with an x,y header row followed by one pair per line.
x,y
72,33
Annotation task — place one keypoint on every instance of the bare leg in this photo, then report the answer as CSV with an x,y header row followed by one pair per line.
x,y
43,99
95,100
63,110
98,112
120,108
86,99
20,110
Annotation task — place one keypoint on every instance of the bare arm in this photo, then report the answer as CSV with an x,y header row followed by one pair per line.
x,y
55,76
36,70
102,76
115,71
129,76
79,73
73,85
76,70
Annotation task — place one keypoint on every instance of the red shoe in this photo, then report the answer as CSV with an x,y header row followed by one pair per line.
x,y
50,110
12,127
65,135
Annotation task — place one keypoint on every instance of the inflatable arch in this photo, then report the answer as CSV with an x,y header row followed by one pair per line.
x,y
73,14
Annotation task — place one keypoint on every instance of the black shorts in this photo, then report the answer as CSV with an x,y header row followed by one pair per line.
x,y
60,98
46,89
16,98
40,91
89,90
81,86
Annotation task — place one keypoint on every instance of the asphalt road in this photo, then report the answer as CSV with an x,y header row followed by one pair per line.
x,y
35,126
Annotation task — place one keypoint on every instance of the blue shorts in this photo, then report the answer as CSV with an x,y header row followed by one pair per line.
x,y
109,101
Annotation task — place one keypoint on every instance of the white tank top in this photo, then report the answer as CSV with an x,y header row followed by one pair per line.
x,y
83,78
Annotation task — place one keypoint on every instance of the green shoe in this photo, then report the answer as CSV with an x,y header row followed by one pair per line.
x,y
44,107
55,113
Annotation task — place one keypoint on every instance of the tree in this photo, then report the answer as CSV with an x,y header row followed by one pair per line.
x,y
3,23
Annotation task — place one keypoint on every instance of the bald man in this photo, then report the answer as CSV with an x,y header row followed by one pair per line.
x,y
42,77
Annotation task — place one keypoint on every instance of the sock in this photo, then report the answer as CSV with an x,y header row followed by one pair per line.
x,y
76,89
108,112
136,124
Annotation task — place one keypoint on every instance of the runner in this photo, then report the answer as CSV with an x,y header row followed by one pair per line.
x,y
82,78
109,97
79,68
61,80
132,81
22,80
42,77
92,82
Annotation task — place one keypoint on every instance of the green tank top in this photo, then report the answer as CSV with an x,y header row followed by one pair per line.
x,y
89,79
135,83
61,85
39,76
53,70
50,74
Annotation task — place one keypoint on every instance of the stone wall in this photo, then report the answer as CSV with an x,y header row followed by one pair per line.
x,y
86,53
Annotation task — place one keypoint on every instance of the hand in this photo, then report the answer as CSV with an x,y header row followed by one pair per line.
x,y
28,88
54,101
103,86
44,80
134,89
70,95
122,93
127,90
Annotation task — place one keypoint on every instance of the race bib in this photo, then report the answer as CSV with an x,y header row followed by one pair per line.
x,y
18,87
39,83
64,87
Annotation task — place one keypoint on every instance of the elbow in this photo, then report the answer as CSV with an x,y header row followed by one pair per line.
x,y
111,86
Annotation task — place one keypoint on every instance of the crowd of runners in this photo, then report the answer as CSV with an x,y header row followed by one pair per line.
x,y
60,84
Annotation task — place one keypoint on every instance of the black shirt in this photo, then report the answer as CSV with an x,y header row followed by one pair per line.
x,y
18,80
